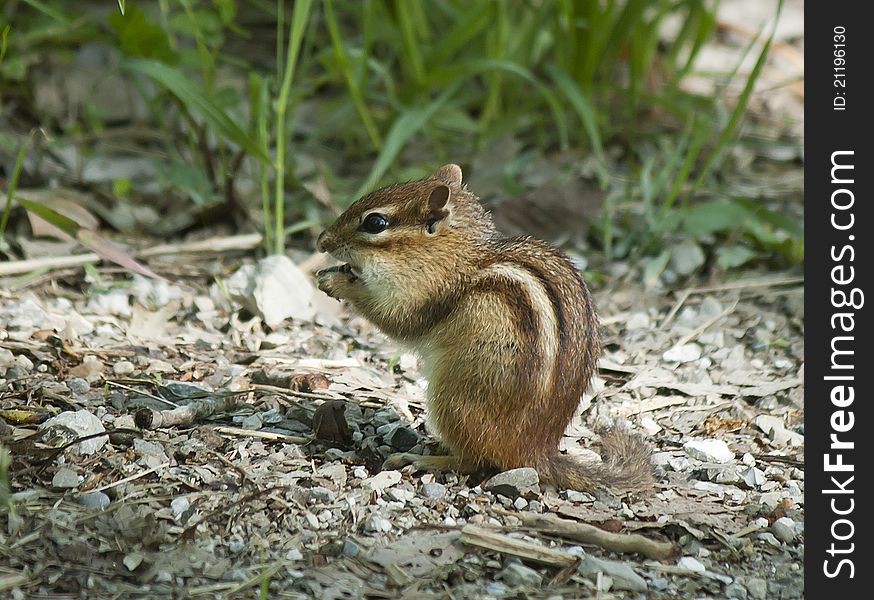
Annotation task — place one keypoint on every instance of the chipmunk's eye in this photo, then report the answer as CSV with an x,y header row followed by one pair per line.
x,y
374,223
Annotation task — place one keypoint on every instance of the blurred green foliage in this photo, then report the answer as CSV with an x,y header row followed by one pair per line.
x,y
446,78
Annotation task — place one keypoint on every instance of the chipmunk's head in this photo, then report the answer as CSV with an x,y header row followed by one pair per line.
x,y
399,230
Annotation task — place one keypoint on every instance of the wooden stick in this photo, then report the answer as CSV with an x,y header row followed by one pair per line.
x,y
589,534
264,435
148,418
220,244
498,542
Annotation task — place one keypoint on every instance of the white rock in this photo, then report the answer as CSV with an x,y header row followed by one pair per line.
x,y
710,450
693,564
686,257
83,423
382,480
377,524
753,477
784,530
767,423
638,320
683,354
180,505
274,288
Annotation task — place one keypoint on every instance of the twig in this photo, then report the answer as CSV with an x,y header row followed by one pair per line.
x,y
142,393
147,418
128,479
589,534
743,284
498,542
703,327
212,245
264,435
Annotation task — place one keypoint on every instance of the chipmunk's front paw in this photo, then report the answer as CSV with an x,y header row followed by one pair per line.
x,y
336,281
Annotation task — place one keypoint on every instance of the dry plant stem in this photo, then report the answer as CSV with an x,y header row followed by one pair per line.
x,y
212,245
498,542
147,418
744,284
703,327
626,543
130,478
264,435
142,393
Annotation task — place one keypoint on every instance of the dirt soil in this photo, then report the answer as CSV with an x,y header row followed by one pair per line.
x,y
270,484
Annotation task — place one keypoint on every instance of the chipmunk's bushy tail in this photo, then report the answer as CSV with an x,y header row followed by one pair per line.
x,y
626,466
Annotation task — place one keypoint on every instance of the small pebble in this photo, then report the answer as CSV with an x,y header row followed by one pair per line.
x,y
693,564
784,530
711,450
94,500
434,491
78,385
516,575
123,368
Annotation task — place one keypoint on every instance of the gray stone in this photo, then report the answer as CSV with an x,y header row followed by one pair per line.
x,y
94,500
517,574
735,591
434,491
784,530
153,453
78,385
83,423
402,438
350,548
65,478
253,422
321,494
758,588
515,482
686,257
623,576
123,367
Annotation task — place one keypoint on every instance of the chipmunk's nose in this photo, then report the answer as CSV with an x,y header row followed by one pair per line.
x,y
323,243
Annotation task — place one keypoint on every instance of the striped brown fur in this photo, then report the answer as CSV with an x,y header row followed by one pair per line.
x,y
506,328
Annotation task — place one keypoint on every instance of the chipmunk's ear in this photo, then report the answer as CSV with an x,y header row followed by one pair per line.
x,y
437,209
450,174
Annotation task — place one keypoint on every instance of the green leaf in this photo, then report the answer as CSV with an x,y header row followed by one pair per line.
x,y
187,179
137,36
717,215
65,224
194,99
729,257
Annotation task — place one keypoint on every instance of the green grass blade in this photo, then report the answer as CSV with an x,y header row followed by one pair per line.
x,y
355,91
12,184
587,115
405,126
488,64
741,105
65,224
299,19
196,101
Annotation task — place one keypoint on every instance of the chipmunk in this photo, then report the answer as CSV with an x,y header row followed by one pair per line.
x,y
506,330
